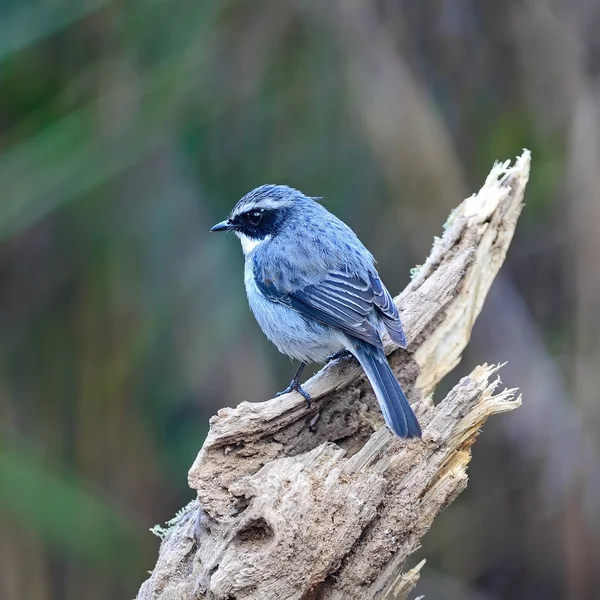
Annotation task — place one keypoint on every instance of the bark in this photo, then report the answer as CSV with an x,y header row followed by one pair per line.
x,y
326,502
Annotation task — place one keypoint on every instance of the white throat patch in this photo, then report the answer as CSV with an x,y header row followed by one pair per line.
x,y
248,244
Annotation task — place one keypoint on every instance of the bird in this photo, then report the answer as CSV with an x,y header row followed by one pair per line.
x,y
315,292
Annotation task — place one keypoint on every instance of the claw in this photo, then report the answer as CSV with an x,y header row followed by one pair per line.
x,y
339,354
296,387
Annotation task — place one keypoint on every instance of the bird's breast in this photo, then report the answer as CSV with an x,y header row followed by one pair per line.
x,y
294,335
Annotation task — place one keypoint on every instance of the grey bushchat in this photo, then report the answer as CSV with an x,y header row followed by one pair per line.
x,y
315,292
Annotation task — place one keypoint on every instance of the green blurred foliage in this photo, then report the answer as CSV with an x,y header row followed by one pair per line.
x,y
71,519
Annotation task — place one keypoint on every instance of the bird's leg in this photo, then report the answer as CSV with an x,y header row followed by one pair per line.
x,y
295,386
338,354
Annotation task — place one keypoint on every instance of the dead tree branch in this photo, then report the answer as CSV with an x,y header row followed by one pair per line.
x,y
301,504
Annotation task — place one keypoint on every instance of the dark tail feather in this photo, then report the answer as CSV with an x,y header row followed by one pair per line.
x,y
396,410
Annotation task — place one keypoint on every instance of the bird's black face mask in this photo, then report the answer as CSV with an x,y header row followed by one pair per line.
x,y
256,224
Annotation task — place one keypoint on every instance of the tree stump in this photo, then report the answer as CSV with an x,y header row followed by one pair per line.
x,y
297,503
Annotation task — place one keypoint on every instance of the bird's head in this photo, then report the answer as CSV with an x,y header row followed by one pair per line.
x,y
261,214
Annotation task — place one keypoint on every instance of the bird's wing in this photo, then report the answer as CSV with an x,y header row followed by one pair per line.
x,y
342,300
388,311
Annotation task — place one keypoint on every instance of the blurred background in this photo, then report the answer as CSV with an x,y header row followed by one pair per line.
x,y
129,127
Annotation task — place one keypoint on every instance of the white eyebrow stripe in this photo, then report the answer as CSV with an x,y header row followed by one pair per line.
x,y
264,204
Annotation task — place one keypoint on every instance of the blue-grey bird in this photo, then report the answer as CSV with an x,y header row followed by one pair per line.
x,y
315,292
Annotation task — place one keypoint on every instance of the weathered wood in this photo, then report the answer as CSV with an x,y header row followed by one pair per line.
x,y
300,504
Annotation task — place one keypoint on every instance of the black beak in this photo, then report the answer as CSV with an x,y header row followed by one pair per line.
x,y
222,226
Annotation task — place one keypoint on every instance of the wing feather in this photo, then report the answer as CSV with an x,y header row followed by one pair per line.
x,y
344,301
389,313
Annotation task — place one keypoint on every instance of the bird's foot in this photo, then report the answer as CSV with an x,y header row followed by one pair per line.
x,y
339,354
296,387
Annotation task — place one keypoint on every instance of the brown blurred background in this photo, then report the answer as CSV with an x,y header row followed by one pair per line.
x,y
128,127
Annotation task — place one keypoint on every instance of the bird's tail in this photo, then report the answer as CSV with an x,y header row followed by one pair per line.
x,y
396,410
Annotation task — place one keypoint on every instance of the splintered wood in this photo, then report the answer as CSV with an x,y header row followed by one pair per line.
x,y
327,503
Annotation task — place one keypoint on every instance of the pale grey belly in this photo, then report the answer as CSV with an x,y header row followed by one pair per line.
x,y
304,340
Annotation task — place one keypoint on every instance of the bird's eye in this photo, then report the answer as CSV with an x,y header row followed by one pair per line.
x,y
255,217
